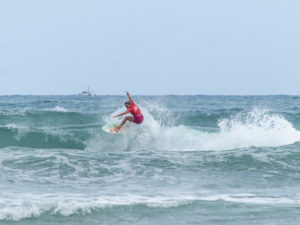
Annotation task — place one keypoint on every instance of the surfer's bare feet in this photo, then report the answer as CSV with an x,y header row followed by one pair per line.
x,y
117,128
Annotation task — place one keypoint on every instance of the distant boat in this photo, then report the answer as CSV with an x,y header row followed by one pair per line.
x,y
86,93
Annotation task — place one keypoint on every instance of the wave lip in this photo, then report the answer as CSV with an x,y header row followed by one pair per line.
x,y
38,137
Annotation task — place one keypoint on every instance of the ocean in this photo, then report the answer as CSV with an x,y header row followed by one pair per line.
x,y
209,160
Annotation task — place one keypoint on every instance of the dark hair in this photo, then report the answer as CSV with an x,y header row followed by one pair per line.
x,y
128,103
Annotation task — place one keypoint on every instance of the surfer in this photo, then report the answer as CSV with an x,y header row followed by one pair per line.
x,y
137,117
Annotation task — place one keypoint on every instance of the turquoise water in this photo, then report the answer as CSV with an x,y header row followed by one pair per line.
x,y
194,160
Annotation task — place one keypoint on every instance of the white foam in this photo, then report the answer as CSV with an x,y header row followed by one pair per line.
x,y
33,205
59,109
253,199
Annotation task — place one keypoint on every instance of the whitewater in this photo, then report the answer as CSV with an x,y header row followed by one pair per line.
x,y
194,160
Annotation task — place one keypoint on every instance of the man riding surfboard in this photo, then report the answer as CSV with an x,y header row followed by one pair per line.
x,y
137,116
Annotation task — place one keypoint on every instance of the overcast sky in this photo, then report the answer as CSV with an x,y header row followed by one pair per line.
x,y
150,46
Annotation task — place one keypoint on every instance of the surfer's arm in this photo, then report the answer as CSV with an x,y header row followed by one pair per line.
x,y
121,114
129,96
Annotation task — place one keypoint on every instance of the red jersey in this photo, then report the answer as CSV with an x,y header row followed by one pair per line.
x,y
134,110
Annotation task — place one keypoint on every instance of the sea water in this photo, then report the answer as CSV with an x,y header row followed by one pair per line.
x,y
194,160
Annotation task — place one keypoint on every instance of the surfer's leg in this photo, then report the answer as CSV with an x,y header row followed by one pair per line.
x,y
129,118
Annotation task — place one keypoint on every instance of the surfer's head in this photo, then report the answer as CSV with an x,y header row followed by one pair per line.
x,y
127,104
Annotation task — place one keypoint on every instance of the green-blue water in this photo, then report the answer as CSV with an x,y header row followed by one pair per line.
x,y
194,160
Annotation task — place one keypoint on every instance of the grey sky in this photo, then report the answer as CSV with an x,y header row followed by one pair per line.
x,y
150,47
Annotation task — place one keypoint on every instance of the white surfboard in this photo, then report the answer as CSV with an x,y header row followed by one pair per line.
x,y
109,128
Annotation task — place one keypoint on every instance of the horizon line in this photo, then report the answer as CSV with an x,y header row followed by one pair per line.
x,y
2,95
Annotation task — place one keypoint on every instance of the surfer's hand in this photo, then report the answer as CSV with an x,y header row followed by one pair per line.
x,y
127,92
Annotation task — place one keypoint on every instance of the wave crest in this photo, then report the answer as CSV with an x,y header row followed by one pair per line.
x,y
257,128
